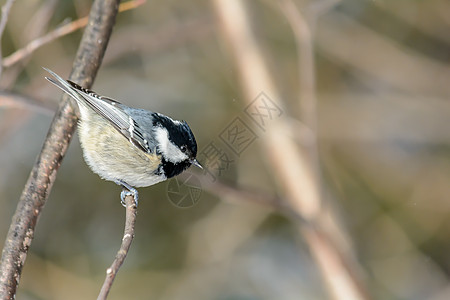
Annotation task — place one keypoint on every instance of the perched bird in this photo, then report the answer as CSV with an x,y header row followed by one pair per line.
x,y
130,146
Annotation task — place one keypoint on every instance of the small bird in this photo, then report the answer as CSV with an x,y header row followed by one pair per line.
x,y
130,146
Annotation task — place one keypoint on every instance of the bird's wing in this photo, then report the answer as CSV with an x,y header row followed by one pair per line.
x,y
108,108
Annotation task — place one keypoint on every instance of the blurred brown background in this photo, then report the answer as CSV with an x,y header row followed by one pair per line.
x,y
382,83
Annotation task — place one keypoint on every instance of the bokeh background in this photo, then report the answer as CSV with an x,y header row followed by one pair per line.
x,y
382,87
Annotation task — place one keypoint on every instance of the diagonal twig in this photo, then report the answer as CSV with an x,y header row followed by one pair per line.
x,y
63,30
128,235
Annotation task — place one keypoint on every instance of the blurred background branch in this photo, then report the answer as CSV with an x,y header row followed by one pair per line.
x,y
5,13
294,171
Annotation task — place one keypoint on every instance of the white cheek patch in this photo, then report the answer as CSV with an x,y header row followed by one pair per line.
x,y
169,150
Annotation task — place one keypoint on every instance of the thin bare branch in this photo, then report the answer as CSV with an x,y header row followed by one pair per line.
x,y
128,235
35,27
57,33
6,8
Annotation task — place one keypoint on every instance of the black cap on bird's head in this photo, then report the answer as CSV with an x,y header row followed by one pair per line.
x,y
176,144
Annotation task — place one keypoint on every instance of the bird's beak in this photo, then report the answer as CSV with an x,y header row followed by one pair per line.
x,y
196,163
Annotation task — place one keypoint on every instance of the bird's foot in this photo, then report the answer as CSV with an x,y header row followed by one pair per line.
x,y
127,190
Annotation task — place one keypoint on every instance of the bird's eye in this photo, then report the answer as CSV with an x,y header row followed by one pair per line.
x,y
183,148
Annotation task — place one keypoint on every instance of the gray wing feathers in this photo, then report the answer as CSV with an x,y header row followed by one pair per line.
x,y
106,107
